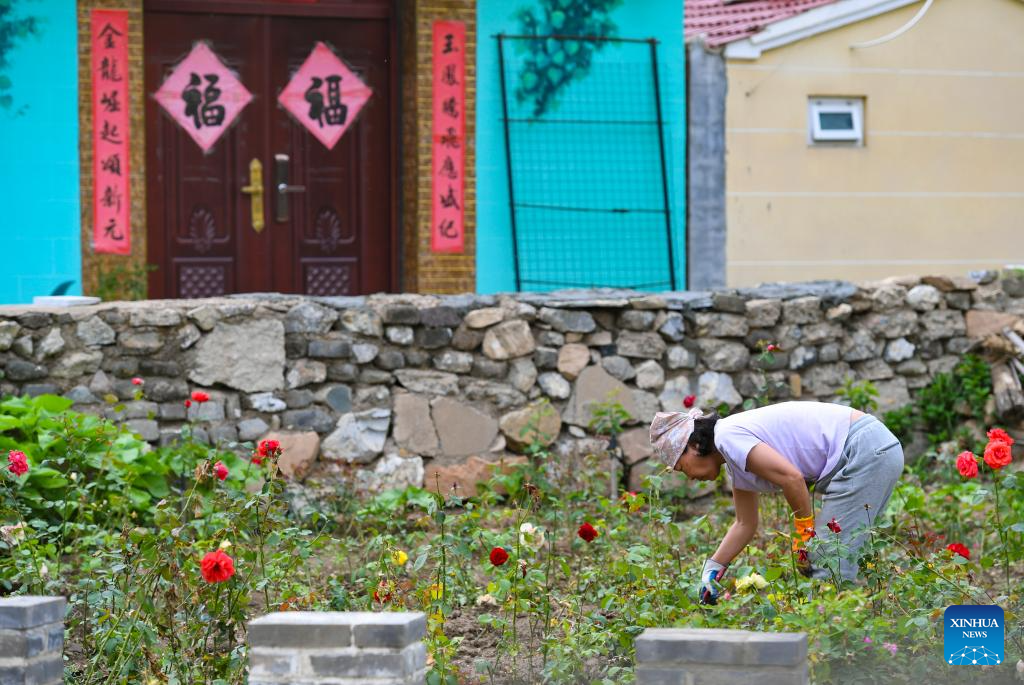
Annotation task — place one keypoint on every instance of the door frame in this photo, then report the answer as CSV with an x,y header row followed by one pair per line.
x,y
338,9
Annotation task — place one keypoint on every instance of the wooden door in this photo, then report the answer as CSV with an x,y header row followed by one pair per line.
x,y
331,230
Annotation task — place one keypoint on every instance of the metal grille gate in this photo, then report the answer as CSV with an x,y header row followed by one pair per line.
x,y
585,154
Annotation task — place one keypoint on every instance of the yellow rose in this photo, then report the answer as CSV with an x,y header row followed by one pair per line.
x,y
398,557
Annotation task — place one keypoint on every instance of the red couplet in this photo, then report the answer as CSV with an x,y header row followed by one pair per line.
x,y
447,232
111,134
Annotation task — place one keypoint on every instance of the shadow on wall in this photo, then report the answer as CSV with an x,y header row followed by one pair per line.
x,y
12,30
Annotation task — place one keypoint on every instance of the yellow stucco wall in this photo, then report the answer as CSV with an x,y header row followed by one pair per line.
x,y
938,186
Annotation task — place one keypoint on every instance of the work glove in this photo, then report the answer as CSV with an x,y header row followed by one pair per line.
x,y
710,577
804,532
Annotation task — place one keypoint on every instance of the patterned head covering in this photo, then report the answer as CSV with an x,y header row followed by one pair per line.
x,y
670,431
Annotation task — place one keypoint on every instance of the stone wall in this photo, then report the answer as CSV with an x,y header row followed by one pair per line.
x,y
392,389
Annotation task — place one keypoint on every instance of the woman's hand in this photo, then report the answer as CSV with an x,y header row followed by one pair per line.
x,y
710,577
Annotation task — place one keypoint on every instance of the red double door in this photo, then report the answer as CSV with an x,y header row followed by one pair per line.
x,y
329,215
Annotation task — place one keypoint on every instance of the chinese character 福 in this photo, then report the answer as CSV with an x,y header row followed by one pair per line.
x,y
200,106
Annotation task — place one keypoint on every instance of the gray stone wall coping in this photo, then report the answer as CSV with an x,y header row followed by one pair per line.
x,y
681,646
29,611
336,629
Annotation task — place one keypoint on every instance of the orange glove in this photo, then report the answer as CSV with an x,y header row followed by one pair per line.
x,y
804,531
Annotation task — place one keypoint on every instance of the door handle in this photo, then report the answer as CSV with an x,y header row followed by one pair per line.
x,y
255,192
283,188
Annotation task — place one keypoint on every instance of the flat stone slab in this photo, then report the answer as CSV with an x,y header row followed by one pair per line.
x,y
686,646
29,611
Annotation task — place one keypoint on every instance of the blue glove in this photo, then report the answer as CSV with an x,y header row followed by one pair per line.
x,y
710,577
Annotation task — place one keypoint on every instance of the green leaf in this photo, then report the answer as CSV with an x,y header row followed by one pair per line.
x,y
9,423
47,478
773,574
140,498
52,403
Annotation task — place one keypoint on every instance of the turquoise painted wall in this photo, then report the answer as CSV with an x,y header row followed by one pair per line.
x,y
39,222
659,19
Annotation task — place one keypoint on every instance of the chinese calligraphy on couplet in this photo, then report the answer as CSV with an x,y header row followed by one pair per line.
x,y
449,137
325,96
203,96
111,132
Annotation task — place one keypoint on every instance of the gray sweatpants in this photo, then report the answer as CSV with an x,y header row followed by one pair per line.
x,y
855,494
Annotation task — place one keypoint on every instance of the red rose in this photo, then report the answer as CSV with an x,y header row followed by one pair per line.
x,y
802,558
383,593
137,381
772,347
967,465
689,400
200,396
498,556
834,526
1000,434
957,548
17,462
220,470
188,403
217,567
269,449
997,454
587,532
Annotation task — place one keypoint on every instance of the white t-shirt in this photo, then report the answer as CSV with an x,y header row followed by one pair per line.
x,y
811,435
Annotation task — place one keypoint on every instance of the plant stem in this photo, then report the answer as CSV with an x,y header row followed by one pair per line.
x,y
1002,533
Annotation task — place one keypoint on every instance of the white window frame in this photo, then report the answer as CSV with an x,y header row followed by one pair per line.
x,y
816,106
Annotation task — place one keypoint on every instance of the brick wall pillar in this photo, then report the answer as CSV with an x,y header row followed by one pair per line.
x,y
339,648
675,656
32,640
422,270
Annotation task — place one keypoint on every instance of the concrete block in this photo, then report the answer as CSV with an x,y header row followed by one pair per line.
x,y
30,611
389,629
733,647
365,663
648,675
267,663
302,630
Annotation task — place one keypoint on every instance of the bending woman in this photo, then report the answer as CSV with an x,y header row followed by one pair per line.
x,y
851,457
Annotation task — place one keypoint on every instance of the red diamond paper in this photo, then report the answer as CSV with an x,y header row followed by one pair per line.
x,y
203,96
325,96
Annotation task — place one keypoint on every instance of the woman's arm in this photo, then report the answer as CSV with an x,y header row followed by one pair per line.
x,y
773,467
742,530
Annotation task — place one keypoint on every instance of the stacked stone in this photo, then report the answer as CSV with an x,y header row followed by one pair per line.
x,y
682,656
337,648
32,640
393,390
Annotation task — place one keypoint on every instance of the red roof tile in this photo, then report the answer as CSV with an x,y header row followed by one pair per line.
x,y
723,23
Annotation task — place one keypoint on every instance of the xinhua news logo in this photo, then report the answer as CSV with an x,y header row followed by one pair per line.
x,y
973,635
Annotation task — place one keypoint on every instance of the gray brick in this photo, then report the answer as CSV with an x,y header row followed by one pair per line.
x,y
29,611
703,646
760,675
390,629
47,671
370,664
647,675
263,663
301,629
